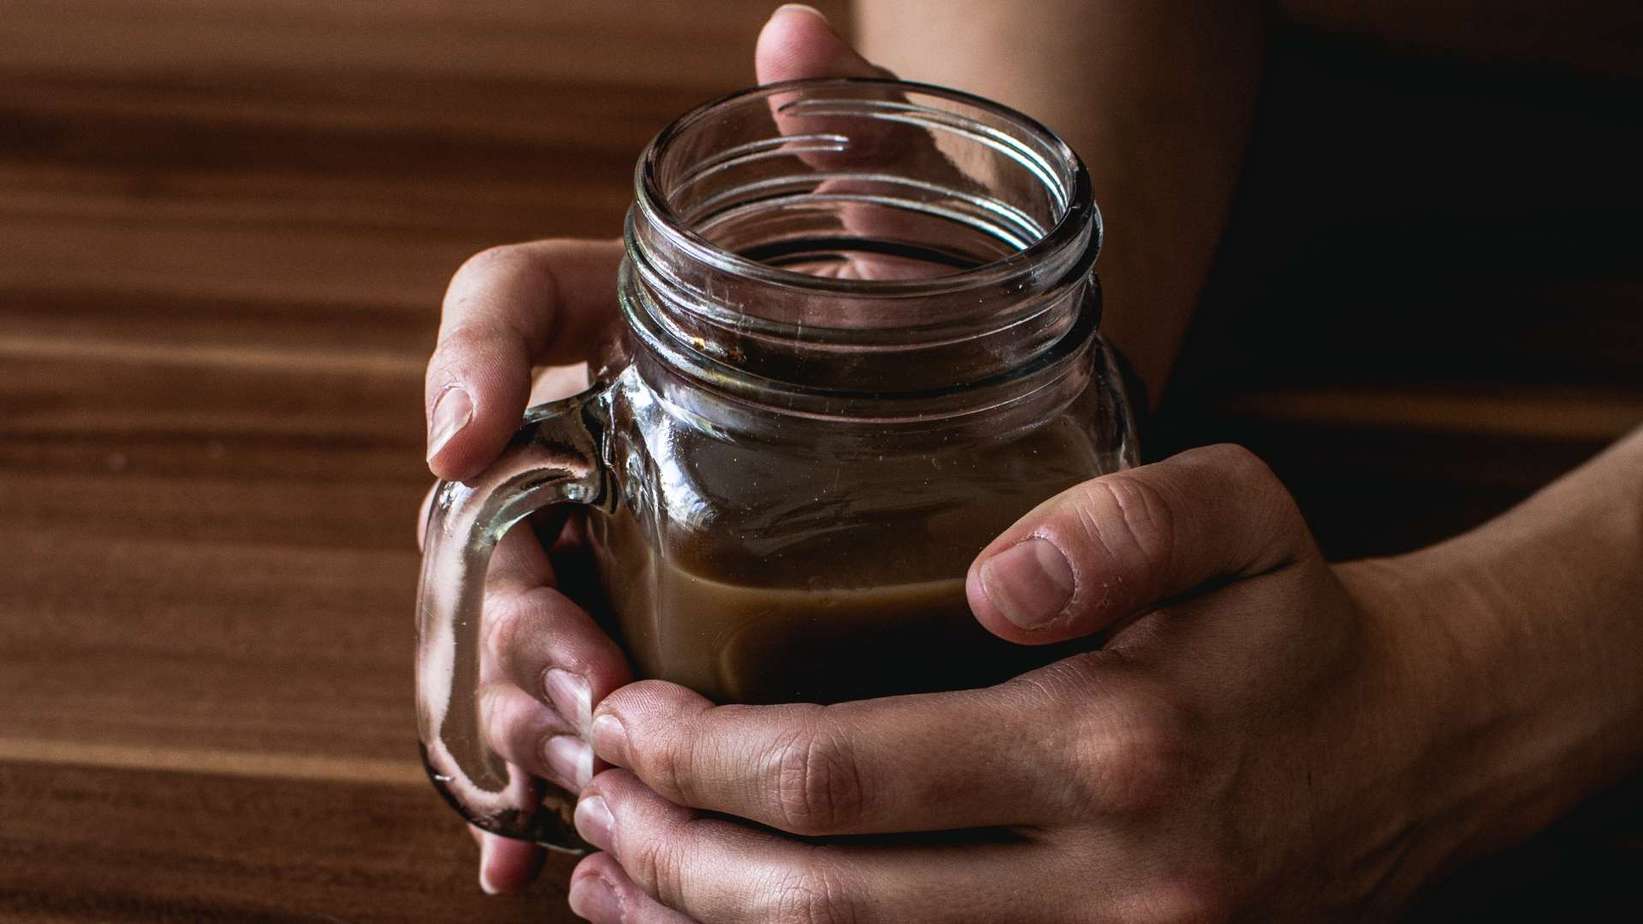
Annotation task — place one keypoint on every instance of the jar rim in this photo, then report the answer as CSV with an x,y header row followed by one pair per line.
x,y
1079,211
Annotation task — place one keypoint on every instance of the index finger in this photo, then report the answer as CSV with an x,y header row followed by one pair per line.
x,y
928,762
507,310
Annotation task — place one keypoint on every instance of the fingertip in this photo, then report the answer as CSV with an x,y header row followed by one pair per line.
x,y
478,383
980,605
507,865
571,695
452,412
610,739
506,310
596,887
1030,583
625,796
586,666
651,699
634,723
799,42
485,883
804,8
987,611
465,455
468,426
594,822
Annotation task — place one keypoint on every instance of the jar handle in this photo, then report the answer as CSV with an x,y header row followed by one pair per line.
x,y
555,457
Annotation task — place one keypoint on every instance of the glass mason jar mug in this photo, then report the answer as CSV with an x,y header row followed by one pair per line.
x,y
860,341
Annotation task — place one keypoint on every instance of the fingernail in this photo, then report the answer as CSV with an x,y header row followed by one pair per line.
x,y
805,7
592,897
571,696
594,822
610,739
485,884
1030,582
569,758
452,411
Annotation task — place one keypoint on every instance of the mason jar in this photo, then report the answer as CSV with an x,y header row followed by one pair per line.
x,y
860,340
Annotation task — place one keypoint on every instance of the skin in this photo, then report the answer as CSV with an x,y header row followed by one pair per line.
x,y
1268,737
1265,735
1106,75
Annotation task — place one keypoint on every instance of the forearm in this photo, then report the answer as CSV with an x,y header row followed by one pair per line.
x,y
1157,99
1540,657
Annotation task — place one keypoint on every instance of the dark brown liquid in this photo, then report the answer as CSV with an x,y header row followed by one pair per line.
x,y
771,630
803,571
764,644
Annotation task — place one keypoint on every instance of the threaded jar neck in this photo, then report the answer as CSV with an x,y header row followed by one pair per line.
x,y
849,247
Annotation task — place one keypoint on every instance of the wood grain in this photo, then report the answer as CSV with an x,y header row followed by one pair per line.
x,y
101,844
224,232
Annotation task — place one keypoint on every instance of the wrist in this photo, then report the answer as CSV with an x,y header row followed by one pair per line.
x,y
1519,647
1434,706
1477,702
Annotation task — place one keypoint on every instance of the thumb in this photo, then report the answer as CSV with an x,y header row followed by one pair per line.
x,y
1116,546
798,42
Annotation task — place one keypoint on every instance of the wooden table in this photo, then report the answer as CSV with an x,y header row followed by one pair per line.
x,y
224,231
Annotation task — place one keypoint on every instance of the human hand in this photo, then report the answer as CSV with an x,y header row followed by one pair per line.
x,y
1251,741
514,320
535,703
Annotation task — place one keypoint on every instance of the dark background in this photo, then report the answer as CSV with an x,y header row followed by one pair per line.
x,y
1430,299
224,231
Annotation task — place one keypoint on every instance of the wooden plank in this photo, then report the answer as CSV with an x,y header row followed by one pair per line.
x,y
103,843
214,550
642,42
193,759
224,232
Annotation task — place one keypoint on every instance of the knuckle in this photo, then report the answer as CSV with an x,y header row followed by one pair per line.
x,y
469,335
1233,457
1201,899
1248,473
464,342
819,893
1053,683
1140,758
665,766
658,866
1127,518
458,351
818,786
506,618
1242,469
666,757
1059,690
486,264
